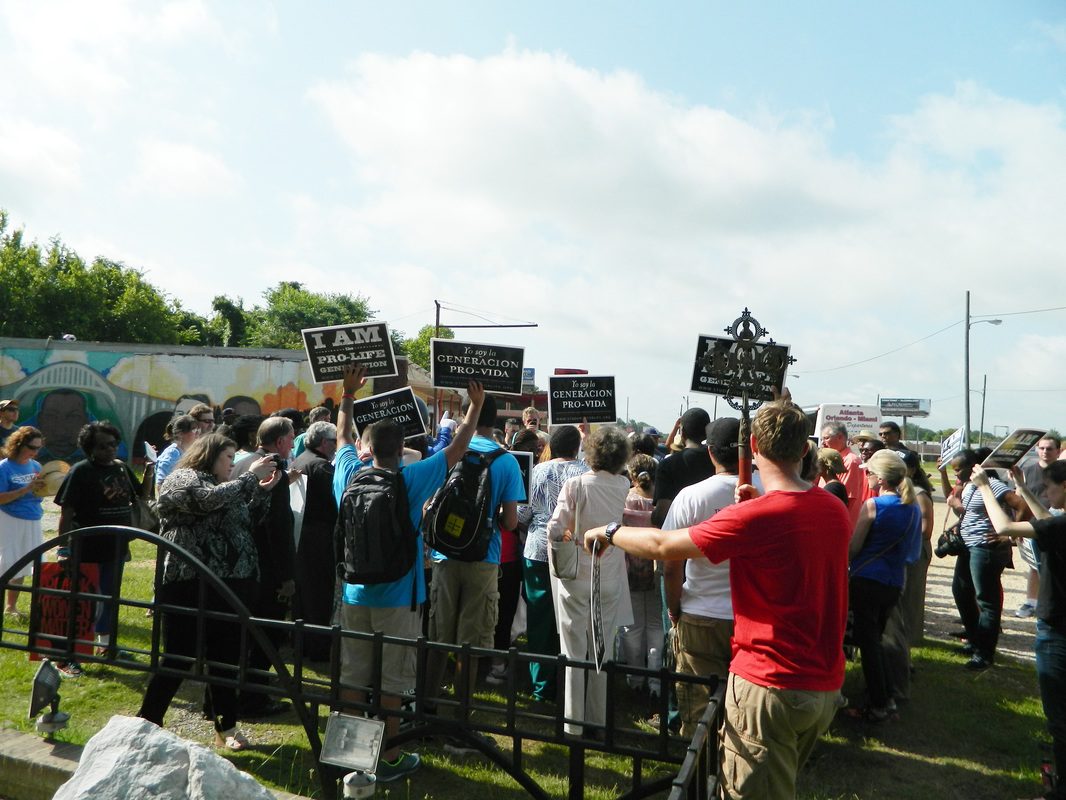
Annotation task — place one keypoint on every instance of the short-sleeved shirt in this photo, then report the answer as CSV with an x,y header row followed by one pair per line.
x,y
15,476
548,480
166,462
788,569
421,480
706,591
1051,603
97,494
507,486
675,472
975,524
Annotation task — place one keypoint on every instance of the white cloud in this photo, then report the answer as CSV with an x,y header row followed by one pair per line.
x,y
626,221
176,168
41,154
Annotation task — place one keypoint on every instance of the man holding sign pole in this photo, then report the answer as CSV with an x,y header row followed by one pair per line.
x,y
788,557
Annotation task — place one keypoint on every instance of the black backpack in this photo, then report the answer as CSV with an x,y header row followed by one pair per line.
x,y
458,521
374,538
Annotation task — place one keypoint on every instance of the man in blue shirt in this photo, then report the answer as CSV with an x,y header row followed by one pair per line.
x,y
387,607
464,598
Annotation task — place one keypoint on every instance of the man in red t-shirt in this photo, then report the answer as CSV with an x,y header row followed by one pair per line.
x,y
788,561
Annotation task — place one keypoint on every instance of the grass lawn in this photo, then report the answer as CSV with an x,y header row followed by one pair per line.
x,y
961,736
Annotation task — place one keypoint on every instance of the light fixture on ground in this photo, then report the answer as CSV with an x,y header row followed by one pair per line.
x,y
46,693
354,743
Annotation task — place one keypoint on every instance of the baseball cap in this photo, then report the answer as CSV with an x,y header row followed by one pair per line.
x,y
722,433
650,431
5,403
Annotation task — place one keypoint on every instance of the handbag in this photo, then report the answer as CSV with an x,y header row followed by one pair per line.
x,y
142,513
563,556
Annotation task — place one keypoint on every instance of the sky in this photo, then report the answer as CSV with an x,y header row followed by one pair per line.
x,y
625,175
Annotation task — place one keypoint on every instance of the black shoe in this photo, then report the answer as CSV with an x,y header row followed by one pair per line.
x,y
455,746
269,708
978,663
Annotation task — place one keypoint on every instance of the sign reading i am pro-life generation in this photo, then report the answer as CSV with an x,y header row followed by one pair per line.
x,y
365,343
573,398
398,405
731,368
497,367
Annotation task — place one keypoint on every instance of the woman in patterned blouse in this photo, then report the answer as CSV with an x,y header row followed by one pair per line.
x,y
211,517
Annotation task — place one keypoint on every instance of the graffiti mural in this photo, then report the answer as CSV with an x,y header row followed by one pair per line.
x,y
60,386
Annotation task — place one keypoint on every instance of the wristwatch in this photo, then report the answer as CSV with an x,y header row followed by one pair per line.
x,y
610,531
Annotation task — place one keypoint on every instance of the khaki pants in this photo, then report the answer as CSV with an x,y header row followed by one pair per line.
x,y
701,647
767,736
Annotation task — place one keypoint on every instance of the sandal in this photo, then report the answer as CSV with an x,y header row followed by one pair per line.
x,y
232,739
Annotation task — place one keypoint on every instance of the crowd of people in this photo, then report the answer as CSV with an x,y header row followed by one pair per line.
x,y
762,585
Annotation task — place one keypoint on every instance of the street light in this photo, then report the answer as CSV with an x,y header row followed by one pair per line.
x,y
966,366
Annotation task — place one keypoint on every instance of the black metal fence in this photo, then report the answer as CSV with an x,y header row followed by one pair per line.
x,y
662,762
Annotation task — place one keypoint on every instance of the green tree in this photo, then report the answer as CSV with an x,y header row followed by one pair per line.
x,y
52,292
418,348
290,308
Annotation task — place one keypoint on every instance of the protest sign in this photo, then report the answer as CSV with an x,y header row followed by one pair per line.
x,y
731,368
50,612
951,447
573,398
398,405
497,367
366,343
1010,451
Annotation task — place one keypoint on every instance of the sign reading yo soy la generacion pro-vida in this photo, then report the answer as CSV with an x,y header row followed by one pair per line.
x,y
727,367
497,367
365,343
398,405
573,398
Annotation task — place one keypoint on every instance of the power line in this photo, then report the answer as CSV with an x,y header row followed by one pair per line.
x,y
882,355
1033,311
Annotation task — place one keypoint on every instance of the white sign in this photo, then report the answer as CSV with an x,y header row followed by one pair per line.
x,y
951,447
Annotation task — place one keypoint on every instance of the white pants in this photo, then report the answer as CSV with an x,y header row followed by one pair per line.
x,y
585,698
641,644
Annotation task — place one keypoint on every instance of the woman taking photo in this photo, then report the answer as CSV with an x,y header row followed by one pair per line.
x,y
886,538
977,584
588,501
1050,533
20,508
212,518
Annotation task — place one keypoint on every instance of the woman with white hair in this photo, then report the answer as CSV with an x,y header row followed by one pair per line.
x,y
595,498
887,537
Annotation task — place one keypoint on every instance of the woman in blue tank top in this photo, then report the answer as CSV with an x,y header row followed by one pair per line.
x,y
887,537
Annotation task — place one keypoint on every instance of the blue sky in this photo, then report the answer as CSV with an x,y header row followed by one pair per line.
x,y
627,175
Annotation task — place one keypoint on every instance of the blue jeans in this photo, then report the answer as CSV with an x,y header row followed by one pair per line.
x,y
978,594
1051,673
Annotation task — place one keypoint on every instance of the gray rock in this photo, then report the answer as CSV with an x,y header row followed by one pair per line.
x,y
132,758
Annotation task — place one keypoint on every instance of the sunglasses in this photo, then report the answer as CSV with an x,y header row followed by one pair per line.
x,y
33,446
